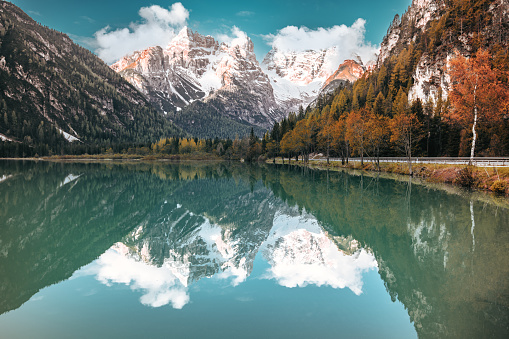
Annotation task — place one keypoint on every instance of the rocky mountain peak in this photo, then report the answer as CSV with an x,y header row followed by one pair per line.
x,y
195,67
349,70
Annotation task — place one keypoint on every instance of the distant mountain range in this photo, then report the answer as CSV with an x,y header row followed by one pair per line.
x,y
54,91
230,81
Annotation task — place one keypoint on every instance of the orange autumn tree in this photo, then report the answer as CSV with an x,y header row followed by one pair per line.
x,y
302,137
339,142
287,145
356,131
404,127
477,94
326,133
378,128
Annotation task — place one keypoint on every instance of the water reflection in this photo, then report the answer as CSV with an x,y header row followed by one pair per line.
x,y
160,285
161,228
162,265
300,253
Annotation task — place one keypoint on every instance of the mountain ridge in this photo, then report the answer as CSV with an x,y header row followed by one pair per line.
x,y
195,75
195,67
55,91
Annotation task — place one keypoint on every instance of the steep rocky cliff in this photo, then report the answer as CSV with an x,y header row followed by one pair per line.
x,y
348,71
440,29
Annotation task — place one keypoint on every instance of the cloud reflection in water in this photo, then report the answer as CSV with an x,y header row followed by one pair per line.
x,y
160,285
299,252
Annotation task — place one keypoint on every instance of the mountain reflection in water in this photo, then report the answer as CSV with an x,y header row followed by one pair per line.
x,y
162,228
298,250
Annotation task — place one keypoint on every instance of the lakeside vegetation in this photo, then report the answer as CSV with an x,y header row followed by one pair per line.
x,y
494,179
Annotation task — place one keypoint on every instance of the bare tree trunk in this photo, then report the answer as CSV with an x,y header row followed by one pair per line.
x,y
347,152
409,153
474,135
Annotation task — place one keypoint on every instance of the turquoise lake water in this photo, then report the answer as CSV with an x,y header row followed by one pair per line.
x,y
238,251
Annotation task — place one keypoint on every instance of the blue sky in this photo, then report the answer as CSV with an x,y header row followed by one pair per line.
x,y
263,21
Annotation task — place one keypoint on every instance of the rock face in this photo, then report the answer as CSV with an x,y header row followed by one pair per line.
x,y
194,67
430,75
348,71
431,78
403,31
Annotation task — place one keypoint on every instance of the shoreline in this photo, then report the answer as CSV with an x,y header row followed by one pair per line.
x,y
119,159
487,179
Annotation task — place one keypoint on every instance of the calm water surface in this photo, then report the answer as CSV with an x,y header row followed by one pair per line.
x,y
233,251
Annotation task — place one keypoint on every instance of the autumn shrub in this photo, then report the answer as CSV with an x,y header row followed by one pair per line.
x,y
466,177
499,186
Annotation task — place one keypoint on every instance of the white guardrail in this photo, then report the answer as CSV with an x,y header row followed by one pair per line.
x,y
478,161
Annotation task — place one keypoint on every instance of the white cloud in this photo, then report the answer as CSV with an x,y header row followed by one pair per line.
x,y
245,13
237,37
348,41
156,28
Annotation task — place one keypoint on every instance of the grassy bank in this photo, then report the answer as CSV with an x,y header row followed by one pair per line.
x,y
495,179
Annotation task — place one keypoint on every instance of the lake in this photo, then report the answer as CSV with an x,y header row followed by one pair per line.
x,y
239,251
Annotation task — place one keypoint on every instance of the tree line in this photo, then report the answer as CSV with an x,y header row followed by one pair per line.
x,y
373,117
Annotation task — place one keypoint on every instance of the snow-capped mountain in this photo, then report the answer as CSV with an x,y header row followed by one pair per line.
x,y
228,77
195,67
299,77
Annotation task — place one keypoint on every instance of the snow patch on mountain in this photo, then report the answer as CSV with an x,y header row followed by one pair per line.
x,y
196,67
68,136
4,138
298,78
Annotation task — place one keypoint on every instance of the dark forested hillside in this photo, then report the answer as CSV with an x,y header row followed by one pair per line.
x,y
209,120
49,86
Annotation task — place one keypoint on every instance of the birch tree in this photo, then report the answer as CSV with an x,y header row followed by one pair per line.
x,y
477,94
